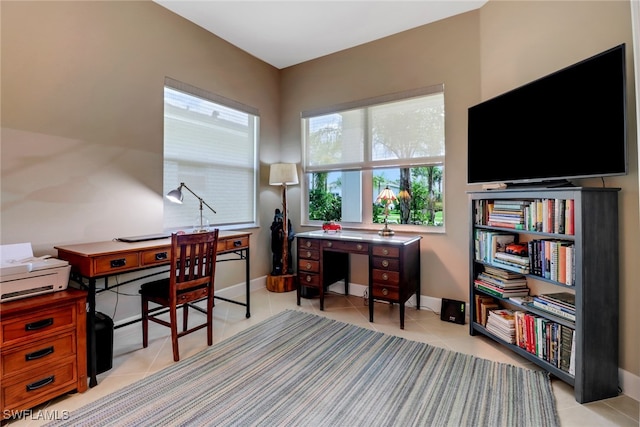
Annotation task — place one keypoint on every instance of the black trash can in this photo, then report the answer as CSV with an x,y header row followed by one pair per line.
x,y
104,343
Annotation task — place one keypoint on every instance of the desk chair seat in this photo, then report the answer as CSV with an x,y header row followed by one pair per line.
x,y
191,279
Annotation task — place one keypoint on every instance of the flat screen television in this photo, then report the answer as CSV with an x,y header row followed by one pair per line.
x,y
569,124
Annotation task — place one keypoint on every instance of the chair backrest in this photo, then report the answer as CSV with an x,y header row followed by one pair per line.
x,y
193,260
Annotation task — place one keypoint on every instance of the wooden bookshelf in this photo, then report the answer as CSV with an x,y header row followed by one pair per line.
x,y
595,281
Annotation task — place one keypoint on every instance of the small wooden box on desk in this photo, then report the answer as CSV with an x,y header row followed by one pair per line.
x,y
44,350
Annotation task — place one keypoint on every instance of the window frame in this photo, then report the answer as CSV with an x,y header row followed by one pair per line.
x,y
209,189
368,167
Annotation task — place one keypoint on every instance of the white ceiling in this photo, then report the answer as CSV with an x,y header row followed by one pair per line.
x,y
285,33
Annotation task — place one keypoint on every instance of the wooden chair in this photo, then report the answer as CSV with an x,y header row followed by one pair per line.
x,y
191,279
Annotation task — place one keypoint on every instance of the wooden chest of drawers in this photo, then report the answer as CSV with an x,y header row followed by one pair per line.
x,y
394,265
43,349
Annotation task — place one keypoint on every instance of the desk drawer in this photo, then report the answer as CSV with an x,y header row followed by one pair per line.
x,y
309,279
44,352
308,244
386,263
39,324
386,251
39,383
114,263
385,277
227,245
353,247
156,256
308,265
305,253
391,293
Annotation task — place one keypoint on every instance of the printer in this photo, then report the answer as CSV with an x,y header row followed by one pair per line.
x,y
23,275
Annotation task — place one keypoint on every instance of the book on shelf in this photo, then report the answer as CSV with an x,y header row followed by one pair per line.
x,y
553,310
517,259
523,300
563,298
502,273
566,343
565,308
480,301
568,220
503,283
505,224
500,292
507,265
501,322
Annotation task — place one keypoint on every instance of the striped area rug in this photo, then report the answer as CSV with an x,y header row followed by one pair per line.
x,y
299,369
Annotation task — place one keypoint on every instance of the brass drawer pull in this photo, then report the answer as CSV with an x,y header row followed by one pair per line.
x,y
385,291
359,246
385,263
308,244
38,354
39,324
308,254
308,265
161,256
329,244
308,279
237,243
385,276
385,251
39,384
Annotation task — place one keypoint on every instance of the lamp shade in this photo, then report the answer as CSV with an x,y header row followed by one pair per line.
x,y
283,174
175,195
386,196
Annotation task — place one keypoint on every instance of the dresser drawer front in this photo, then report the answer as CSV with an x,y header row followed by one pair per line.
x,y
36,354
353,247
156,256
385,277
39,383
308,244
114,263
309,279
39,324
386,251
392,264
386,292
305,253
308,265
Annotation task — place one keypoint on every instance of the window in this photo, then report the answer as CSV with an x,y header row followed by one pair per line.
x,y
210,144
352,152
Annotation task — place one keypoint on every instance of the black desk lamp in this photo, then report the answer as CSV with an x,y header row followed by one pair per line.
x,y
176,197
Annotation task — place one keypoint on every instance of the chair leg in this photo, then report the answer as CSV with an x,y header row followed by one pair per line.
x,y
185,316
174,332
145,322
210,319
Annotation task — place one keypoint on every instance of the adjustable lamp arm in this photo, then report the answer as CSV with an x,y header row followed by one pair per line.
x,y
202,202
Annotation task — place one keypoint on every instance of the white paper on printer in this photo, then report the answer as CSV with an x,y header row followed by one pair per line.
x,y
18,258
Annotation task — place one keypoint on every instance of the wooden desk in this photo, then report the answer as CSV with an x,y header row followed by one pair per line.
x,y
394,264
97,260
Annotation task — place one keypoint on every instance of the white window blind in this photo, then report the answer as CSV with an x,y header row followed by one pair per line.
x,y
402,129
210,144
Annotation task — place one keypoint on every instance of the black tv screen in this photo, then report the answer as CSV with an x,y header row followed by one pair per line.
x,y
569,124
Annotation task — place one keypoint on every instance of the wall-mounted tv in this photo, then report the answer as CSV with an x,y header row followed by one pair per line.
x,y
569,124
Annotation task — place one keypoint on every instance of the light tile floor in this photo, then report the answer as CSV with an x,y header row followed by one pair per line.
x,y
131,362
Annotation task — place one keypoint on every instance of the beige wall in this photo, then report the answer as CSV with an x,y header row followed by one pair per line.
x,y
82,126
82,116
478,55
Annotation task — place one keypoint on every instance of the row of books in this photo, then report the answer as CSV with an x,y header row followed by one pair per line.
x,y
543,215
553,259
548,340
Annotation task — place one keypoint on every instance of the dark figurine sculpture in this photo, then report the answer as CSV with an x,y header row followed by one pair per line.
x,y
277,241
